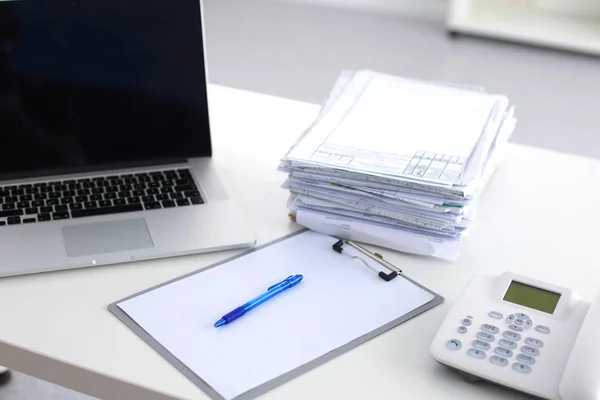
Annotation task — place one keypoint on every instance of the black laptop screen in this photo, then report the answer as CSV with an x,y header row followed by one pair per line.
x,y
89,84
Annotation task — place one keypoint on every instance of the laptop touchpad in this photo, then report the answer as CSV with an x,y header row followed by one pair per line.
x,y
106,237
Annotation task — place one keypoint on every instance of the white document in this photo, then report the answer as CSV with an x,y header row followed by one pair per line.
x,y
338,301
389,126
371,233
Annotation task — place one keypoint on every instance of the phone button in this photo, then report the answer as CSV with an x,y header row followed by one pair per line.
x,y
542,329
512,335
522,368
490,328
530,351
486,336
496,315
501,361
525,359
534,342
509,344
516,328
481,345
466,322
519,321
522,316
510,319
462,329
454,344
503,352
476,353
528,324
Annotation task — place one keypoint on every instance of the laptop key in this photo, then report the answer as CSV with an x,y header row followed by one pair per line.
x,y
124,195
67,200
95,197
119,202
51,202
47,209
133,200
61,208
147,199
152,191
192,193
152,205
181,182
83,192
90,204
162,197
40,196
23,204
166,189
10,213
54,195
168,203
110,196
37,203
197,200
44,217
60,215
4,193
105,203
26,197
14,220
76,206
8,206
106,210
138,192
97,190
175,196
69,193
29,220
32,210
183,202
185,188
81,199
2,223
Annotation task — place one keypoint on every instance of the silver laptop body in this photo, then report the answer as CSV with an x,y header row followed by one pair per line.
x,y
72,197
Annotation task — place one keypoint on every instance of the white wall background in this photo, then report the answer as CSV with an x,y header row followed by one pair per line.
x,y
428,8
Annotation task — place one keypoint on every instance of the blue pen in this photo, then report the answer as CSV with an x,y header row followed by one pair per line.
x,y
271,292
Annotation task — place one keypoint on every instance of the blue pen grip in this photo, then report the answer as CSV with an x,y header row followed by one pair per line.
x,y
235,314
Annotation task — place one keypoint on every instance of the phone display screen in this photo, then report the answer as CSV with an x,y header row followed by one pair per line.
x,y
532,297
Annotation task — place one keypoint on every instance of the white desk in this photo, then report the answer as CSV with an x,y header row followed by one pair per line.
x,y
538,217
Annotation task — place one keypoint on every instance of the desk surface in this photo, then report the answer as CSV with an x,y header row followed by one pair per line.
x,y
538,217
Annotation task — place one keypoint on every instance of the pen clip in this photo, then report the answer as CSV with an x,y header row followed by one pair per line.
x,y
277,284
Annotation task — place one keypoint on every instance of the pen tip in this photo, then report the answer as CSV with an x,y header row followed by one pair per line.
x,y
220,322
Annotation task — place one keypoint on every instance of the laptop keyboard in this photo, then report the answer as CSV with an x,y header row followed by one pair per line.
x,y
76,198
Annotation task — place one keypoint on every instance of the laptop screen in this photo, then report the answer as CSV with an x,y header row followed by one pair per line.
x,y
91,84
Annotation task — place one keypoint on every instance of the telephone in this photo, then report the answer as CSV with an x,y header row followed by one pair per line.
x,y
522,333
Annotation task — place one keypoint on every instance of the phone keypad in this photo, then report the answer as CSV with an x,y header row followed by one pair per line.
x,y
524,353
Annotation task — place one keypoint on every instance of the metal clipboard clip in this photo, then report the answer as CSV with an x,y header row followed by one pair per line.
x,y
338,247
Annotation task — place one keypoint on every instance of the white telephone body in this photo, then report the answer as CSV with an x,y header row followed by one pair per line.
x,y
525,334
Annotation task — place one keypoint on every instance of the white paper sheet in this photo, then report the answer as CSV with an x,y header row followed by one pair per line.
x,y
379,235
358,131
319,315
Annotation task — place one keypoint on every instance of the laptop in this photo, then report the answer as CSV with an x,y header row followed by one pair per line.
x,y
105,141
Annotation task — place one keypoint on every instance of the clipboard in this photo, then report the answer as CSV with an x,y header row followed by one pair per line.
x,y
206,385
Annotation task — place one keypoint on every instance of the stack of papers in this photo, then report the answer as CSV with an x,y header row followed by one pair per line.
x,y
396,162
